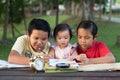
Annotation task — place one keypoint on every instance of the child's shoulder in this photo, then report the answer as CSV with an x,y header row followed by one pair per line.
x,y
54,45
75,45
99,43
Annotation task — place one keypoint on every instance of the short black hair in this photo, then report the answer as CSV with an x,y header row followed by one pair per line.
x,y
62,27
39,24
88,25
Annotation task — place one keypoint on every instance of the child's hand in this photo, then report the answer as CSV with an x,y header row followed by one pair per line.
x,y
71,58
45,58
83,59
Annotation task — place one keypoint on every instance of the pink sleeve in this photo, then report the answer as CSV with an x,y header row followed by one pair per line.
x,y
53,45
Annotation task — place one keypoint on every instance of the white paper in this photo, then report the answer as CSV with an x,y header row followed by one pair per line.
x,y
5,64
53,62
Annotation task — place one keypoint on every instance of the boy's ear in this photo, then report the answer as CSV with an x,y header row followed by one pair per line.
x,y
27,33
95,36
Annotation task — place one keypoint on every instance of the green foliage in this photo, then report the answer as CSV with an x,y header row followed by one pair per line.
x,y
16,10
117,1
1,7
108,32
101,1
4,51
34,2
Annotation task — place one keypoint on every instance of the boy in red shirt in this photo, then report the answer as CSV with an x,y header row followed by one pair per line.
x,y
89,50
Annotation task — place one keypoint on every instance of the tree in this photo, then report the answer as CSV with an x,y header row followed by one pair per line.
x,y
82,8
15,14
72,7
41,6
1,7
87,6
57,12
54,5
109,16
23,15
100,3
6,21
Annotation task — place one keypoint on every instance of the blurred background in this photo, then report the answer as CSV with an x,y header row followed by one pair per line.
x,y
16,14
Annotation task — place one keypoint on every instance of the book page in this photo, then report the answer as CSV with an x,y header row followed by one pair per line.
x,y
5,64
100,67
53,62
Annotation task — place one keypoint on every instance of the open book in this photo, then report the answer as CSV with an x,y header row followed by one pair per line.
x,y
100,67
51,66
89,67
4,64
53,62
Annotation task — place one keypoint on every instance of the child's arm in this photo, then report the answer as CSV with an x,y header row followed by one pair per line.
x,y
108,58
73,54
51,53
16,58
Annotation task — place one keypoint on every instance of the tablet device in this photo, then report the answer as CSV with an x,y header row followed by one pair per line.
x,y
62,65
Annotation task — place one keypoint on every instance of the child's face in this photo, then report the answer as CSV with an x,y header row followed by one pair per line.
x,y
85,38
38,39
63,38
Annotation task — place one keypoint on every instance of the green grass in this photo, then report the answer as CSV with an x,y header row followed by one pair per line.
x,y
4,50
117,1
50,19
116,16
108,32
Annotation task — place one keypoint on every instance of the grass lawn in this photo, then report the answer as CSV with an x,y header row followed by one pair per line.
x,y
107,33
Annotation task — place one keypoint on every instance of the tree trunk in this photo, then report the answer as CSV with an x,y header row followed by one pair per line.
x,y
91,8
88,9
109,15
57,13
100,10
11,19
81,13
41,6
67,8
12,27
4,36
72,8
24,18
77,9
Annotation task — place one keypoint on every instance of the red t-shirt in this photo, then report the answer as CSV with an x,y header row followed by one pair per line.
x,y
98,49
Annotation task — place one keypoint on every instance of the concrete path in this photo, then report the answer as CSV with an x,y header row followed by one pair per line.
x,y
113,19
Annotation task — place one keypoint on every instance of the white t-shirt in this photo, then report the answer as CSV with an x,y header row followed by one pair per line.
x,y
62,53
23,47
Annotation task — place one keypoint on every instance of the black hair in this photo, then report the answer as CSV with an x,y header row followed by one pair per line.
x,y
62,27
39,24
88,25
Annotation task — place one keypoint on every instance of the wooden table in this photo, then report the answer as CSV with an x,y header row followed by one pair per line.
x,y
27,74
